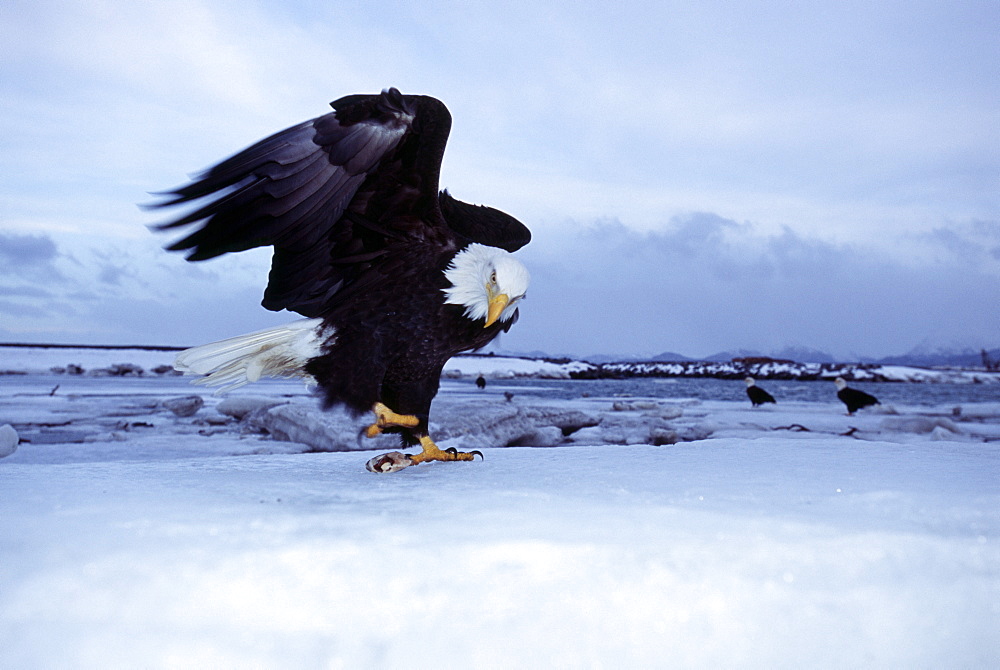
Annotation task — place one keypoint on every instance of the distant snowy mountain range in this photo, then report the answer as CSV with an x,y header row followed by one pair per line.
x,y
921,356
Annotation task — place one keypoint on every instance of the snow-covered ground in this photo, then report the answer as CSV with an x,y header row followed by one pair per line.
x,y
783,537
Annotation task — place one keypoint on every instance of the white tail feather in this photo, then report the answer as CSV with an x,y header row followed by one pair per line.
x,y
282,351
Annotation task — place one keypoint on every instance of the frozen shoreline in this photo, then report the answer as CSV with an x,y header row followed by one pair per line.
x,y
108,361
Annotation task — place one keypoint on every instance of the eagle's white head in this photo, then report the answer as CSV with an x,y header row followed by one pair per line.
x,y
487,281
750,381
841,384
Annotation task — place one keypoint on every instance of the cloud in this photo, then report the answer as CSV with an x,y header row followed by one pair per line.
x,y
21,310
976,243
25,251
701,284
27,292
28,268
750,116
707,284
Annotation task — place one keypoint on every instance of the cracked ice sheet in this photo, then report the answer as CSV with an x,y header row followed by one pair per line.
x,y
773,552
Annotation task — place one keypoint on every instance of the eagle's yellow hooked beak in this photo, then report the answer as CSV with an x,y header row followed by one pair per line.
x,y
497,305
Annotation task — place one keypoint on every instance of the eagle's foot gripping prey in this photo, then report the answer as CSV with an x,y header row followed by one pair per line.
x,y
395,461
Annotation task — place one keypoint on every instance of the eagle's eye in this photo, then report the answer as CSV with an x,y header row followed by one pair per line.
x,y
493,277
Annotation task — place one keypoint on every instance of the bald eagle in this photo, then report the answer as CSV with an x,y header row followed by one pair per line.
x,y
393,276
853,398
758,396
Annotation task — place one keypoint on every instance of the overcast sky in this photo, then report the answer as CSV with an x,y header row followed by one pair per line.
x,y
698,176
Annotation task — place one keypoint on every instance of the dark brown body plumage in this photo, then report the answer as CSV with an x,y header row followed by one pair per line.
x,y
392,347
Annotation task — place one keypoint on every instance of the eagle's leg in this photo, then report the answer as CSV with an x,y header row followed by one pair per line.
x,y
394,461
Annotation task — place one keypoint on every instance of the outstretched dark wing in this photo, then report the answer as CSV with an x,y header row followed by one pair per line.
x,y
331,195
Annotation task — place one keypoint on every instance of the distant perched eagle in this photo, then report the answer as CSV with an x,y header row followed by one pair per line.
x,y
853,398
393,276
758,396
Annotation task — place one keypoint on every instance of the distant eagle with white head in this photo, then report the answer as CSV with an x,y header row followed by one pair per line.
x,y
757,395
394,276
854,399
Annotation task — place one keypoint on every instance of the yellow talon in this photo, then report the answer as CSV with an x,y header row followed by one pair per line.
x,y
431,452
385,417
396,461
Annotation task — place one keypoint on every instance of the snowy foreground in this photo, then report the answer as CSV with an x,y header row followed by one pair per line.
x,y
654,532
